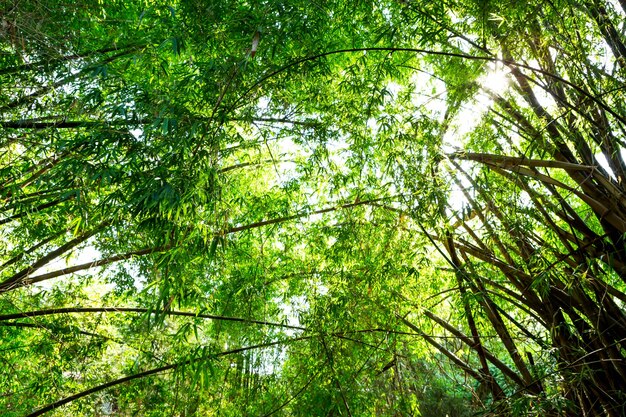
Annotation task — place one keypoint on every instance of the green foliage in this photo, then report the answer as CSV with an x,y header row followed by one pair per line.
x,y
292,208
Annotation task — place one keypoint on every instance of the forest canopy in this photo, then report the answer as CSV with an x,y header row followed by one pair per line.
x,y
329,208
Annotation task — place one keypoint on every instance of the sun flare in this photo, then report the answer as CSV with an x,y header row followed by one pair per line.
x,y
496,79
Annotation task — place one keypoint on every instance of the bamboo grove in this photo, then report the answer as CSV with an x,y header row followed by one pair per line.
x,y
312,208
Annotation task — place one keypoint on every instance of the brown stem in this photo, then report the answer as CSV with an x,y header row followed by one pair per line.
x,y
477,344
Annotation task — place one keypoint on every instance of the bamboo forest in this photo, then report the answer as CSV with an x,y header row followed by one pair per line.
x,y
312,208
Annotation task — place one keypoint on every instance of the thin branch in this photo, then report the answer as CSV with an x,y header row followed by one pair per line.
x,y
15,280
34,65
454,358
89,265
19,256
68,310
296,395
236,229
507,62
154,371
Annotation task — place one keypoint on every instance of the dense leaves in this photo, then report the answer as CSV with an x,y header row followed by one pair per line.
x,y
294,208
